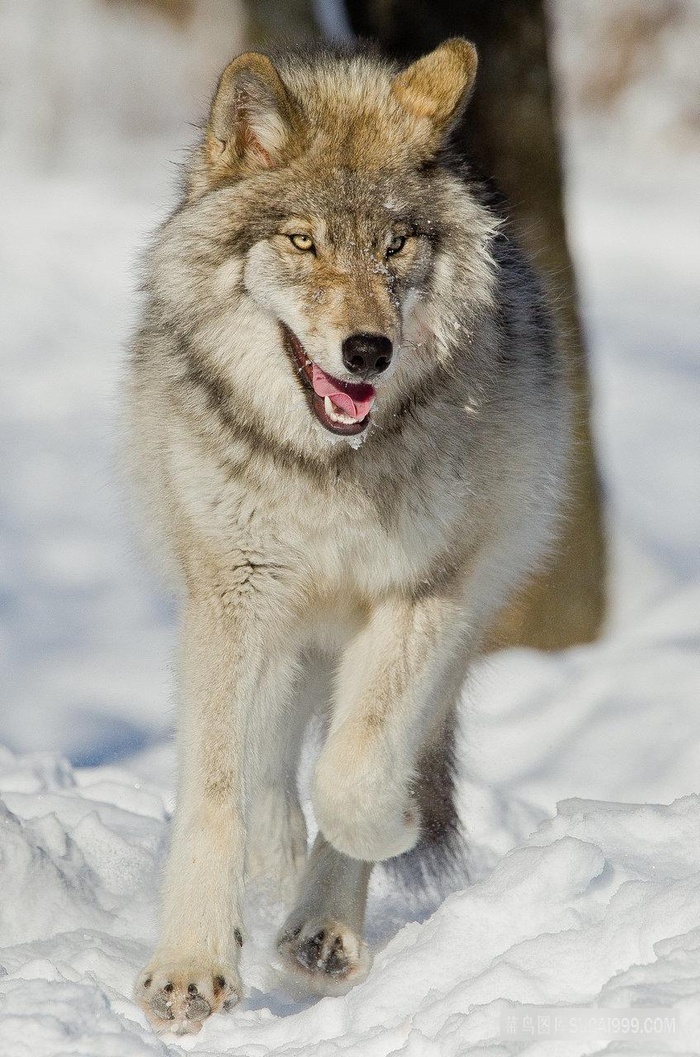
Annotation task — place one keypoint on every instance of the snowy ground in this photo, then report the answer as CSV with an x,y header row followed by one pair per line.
x,y
581,771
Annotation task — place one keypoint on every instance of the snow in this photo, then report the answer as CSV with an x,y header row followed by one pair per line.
x,y
579,776
598,905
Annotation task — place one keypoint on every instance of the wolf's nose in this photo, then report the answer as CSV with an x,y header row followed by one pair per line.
x,y
367,353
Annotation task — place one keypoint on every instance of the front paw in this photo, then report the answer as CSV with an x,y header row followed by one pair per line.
x,y
178,996
363,809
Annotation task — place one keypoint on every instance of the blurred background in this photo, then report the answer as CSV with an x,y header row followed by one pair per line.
x,y
99,100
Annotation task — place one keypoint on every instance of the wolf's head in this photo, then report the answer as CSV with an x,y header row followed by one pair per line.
x,y
332,259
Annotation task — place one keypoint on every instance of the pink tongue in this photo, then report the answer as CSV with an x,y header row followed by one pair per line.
x,y
354,400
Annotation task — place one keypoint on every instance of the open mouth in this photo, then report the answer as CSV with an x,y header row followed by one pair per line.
x,y
341,407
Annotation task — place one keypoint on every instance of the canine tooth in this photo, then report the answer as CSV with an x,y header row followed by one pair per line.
x,y
335,414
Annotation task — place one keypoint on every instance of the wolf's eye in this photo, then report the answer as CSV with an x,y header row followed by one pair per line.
x,y
302,242
396,245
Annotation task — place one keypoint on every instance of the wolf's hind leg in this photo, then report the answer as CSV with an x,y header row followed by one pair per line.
x,y
276,840
438,857
276,846
321,940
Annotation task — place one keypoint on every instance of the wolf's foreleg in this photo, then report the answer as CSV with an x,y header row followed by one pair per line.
x,y
388,692
227,672
321,940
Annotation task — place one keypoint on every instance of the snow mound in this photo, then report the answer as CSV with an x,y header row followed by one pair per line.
x,y
597,907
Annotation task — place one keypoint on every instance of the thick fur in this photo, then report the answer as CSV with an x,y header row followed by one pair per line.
x,y
319,574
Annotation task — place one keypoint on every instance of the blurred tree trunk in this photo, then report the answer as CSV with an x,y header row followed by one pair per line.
x,y
509,130
177,10
280,21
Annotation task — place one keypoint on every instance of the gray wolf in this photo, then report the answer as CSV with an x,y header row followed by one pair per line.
x,y
348,419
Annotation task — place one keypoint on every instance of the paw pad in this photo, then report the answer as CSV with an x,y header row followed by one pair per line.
x,y
329,956
179,999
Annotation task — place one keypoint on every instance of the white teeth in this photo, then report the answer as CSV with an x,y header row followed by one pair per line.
x,y
335,414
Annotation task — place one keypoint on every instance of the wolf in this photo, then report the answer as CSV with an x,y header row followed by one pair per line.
x,y
348,420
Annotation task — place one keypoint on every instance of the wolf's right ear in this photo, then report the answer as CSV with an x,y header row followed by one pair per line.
x,y
253,119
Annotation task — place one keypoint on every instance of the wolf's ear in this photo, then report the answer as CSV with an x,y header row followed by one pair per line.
x,y
435,89
253,119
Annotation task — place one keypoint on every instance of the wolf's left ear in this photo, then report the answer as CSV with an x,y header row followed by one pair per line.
x,y
436,88
253,118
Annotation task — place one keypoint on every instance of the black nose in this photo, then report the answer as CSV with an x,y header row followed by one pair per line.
x,y
367,352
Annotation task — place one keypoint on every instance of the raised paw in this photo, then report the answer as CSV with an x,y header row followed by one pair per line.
x,y
325,955
179,998
360,809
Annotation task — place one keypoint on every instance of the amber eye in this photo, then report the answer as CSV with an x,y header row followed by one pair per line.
x,y
302,242
396,244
